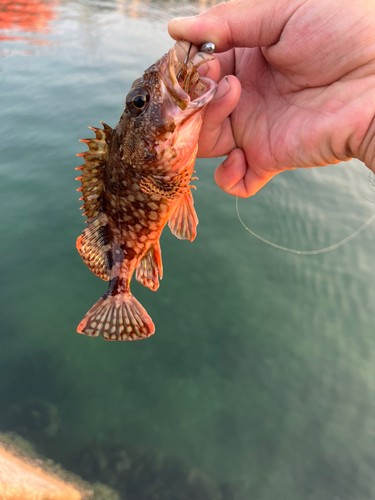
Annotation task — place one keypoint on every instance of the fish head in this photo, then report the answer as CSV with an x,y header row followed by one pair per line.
x,y
159,129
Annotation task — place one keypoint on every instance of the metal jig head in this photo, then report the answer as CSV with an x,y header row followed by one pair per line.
x,y
207,48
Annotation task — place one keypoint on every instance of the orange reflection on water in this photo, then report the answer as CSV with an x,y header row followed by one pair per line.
x,y
26,15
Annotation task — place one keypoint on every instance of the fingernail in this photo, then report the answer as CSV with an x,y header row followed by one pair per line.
x,y
183,44
224,88
181,49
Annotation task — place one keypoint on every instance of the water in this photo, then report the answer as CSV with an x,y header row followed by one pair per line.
x,y
259,381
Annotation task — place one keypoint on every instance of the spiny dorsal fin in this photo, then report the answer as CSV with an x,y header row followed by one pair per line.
x,y
183,222
91,178
150,268
92,247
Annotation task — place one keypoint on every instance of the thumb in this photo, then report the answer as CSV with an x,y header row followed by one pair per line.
x,y
237,23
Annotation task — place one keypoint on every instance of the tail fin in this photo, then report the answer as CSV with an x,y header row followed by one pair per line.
x,y
117,317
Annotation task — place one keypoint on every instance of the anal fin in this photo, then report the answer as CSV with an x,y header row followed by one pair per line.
x,y
183,222
150,268
92,247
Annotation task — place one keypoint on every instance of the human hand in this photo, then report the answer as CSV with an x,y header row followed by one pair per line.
x,y
297,78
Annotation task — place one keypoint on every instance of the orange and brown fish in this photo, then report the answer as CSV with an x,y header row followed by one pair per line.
x,y
135,179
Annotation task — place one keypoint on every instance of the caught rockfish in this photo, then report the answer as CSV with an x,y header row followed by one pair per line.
x,y
135,179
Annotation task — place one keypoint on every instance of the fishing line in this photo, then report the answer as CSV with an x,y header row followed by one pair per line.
x,y
307,252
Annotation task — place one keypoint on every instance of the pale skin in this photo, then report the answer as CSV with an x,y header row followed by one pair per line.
x,y
297,78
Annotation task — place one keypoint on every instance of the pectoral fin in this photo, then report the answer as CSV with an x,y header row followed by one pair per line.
x,y
183,222
165,186
92,247
150,268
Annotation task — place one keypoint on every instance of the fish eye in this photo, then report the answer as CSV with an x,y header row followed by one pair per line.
x,y
137,100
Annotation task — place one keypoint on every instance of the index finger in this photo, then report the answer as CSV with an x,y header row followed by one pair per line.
x,y
236,23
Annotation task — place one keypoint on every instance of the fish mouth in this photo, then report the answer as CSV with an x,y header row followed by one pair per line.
x,y
186,86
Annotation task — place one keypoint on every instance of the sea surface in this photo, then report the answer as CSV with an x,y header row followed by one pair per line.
x,y
259,382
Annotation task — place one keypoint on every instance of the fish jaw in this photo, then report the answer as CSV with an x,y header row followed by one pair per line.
x,y
182,98
177,150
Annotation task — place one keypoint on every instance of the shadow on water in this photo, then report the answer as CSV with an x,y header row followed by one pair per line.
x,y
30,396
145,475
135,474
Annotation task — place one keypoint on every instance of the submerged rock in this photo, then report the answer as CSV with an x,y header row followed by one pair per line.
x,y
25,475
144,475
36,420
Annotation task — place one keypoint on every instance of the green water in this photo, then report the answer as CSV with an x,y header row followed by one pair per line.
x,y
261,371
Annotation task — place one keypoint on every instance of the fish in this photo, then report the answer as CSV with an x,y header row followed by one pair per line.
x,y
135,179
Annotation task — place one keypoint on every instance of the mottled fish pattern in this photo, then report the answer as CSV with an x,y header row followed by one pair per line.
x,y
136,178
